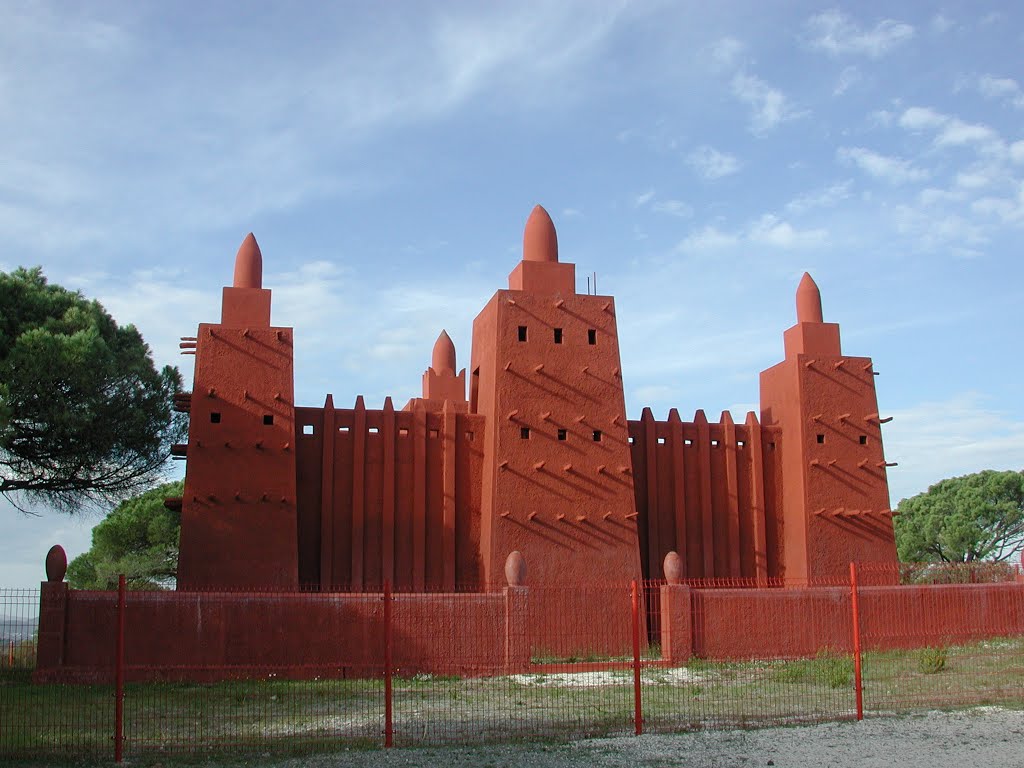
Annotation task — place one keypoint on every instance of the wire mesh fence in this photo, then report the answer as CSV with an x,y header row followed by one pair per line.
x,y
519,663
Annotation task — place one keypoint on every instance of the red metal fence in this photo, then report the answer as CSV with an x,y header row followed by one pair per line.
x,y
660,658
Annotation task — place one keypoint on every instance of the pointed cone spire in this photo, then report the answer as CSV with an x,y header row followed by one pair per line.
x,y
443,358
808,301
540,243
249,264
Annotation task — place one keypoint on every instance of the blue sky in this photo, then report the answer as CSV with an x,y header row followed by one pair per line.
x,y
697,156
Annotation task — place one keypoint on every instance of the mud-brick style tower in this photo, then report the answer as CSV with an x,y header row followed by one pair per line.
x,y
835,505
545,372
238,517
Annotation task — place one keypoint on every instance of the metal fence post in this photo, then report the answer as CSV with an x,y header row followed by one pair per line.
x,y
855,610
638,715
388,724
119,675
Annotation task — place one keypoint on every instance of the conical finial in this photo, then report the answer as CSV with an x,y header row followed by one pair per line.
x,y
249,264
808,301
540,243
443,358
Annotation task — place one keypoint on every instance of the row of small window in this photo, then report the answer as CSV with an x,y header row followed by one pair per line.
x,y
563,434
309,429
268,418
863,440
559,335
688,441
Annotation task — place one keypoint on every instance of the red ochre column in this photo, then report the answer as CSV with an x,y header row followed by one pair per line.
x,y
238,519
835,491
557,478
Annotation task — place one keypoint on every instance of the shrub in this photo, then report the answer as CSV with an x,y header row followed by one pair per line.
x,y
931,660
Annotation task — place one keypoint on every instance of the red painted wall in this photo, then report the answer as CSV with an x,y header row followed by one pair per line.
x,y
217,635
396,495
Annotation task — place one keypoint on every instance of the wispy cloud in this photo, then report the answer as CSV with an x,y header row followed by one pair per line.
x,y
972,435
768,230
673,208
893,170
725,52
711,164
950,131
849,77
837,34
769,106
1002,88
819,198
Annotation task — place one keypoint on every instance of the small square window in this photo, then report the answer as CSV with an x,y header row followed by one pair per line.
x,y
562,434
597,435
632,439
268,419
215,418
469,437
307,429
433,433
661,441
714,443
592,337
522,333
863,439
771,446
343,428
740,443
558,335
687,441
403,431
821,439
524,433
373,430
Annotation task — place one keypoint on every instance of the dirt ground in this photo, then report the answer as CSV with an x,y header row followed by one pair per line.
x,y
986,736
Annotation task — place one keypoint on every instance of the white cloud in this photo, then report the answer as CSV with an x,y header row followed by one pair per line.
x,y
769,106
771,231
821,198
1003,88
837,34
941,24
849,77
893,170
710,238
1017,151
969,437
725,52
673,208
768,230
951,131
643,198
920,118
712,164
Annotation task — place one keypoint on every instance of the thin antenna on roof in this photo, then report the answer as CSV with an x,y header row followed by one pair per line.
x,y
588,285
595,283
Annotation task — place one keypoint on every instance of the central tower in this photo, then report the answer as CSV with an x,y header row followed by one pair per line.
x,y
545,371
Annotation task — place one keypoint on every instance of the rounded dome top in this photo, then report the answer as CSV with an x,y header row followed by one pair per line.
x,y
540,243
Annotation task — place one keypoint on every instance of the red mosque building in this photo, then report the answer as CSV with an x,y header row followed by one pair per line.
x,y
538,457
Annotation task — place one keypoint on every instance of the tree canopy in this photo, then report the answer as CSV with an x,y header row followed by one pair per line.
x,y
139,539
85,418
963,519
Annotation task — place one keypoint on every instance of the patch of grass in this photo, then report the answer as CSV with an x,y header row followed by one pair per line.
x,y
828,668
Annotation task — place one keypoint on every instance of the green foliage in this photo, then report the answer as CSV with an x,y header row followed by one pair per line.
x,y
963,519
85,418
139,539
931,660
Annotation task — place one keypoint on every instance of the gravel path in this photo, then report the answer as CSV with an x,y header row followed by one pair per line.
x,y
987,736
